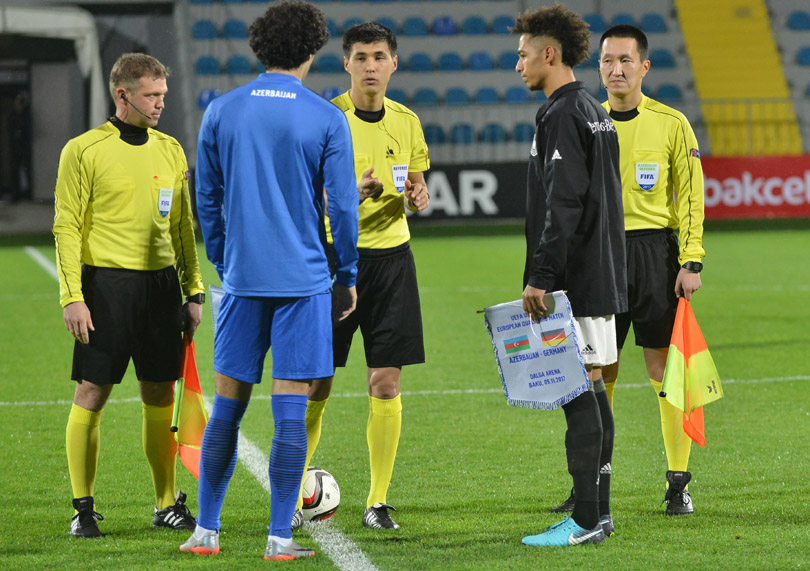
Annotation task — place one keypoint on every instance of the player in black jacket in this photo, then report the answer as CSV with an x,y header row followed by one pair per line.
x,y
575,242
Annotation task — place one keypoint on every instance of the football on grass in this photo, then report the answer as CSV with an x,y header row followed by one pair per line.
x,y
321,495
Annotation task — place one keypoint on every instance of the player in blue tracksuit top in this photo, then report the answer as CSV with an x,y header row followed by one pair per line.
x,y
266,153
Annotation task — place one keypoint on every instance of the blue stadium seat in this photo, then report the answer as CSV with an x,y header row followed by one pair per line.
x,y
487,96
260,67
329,93
204,30
450,61
434,134
475,26
799,20
235,29
623,19
502,23
668,92
540,96
653,24
601,93
462,134
201,1
397,95
480,61
662,58
414,26
349,22
238,65
389,23
523,133
207,96
508,60
330,63
596,22
591,62
426,96
493,133
332,26
420,62
803,56
517,94
456,96
233,1
444,26
206,65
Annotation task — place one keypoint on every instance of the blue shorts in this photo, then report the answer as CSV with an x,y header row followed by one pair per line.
x,y
298,328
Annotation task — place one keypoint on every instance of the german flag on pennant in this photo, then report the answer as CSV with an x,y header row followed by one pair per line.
x,y
553,337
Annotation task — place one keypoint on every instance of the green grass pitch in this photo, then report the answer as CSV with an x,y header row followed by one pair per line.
x,y
473,475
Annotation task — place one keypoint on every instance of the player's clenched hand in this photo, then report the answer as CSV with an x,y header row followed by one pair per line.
x,y
369,186
344,300
192,316
78,321
687,283
417,195
533,303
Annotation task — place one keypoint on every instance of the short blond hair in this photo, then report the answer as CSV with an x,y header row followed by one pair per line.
x,y
128,70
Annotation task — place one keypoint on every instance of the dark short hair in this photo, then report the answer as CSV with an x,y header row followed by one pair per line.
x,y
561,24
128,70
627,31
288,33
368,33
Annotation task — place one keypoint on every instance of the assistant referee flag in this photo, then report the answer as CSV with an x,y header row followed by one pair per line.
x,y
190,416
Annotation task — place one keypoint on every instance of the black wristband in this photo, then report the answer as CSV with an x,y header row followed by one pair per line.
x,y
693,266
196,298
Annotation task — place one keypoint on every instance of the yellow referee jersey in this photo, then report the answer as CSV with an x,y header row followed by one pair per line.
x,y
123,206
394,146
662,178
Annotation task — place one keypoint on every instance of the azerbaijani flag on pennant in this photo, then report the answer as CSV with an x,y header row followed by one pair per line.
x,y
553,337
516,344
190,416
690,378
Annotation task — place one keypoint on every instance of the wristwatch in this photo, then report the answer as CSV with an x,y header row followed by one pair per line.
x,y
196,298
693,267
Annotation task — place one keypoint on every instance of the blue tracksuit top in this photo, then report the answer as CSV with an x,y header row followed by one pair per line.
x,y
266,152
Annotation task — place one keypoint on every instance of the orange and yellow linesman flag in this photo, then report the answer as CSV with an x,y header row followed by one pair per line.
x,y
190,416
690,378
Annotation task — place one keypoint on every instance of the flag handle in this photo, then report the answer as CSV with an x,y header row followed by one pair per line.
x,y
178,399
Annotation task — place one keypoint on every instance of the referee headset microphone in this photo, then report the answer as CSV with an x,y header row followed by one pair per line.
x,y
135,107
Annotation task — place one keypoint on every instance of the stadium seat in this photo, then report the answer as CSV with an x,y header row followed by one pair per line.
x,y
330,63
653,24
201,2
523,133
414,26
444,26
456,96
622,19
502,23
462,134
332,26
233,1
397,95
235,29
493,133
389,23
662,58
517,94
329,93
601,93
207,96
426,96
803,56
349,22
799,20
480,61
206,65
450,61
420,62
434,134
596,22
807,91
487,96
475,26
238,65
260,67
540,96
204,30
668,92
508,60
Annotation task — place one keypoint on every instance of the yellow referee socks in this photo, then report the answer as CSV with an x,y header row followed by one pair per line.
x,y
313,421
609,388
382,432
676,443
160,448
82,439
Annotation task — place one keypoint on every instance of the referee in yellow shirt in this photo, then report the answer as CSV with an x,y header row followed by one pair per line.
x,y
124,235
662,190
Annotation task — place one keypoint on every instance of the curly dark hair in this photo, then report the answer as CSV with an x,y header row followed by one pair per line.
x,y
559,23
288,33
627,31
369,33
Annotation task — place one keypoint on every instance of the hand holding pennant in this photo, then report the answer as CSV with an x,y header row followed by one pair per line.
x,y
190,416
690,378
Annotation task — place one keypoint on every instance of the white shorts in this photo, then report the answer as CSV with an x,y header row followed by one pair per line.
x,y
596,339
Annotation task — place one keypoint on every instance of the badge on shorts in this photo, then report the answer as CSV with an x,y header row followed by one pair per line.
x,y
646,175
165,201
400,175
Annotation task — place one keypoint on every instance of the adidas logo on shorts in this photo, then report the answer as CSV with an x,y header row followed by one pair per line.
x,y
588,350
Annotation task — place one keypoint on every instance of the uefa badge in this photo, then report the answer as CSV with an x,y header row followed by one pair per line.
x,y
165,201
646,175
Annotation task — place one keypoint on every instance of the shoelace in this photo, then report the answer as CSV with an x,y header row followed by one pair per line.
x,y
90,513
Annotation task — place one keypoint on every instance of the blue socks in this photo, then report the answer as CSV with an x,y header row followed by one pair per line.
x,y
218,458
287,460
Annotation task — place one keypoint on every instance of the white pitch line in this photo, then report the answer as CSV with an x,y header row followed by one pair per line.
x,y
44,262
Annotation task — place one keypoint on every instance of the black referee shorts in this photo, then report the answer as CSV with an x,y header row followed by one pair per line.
x,y
388,311
652,267
137,315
